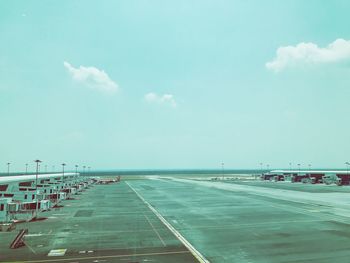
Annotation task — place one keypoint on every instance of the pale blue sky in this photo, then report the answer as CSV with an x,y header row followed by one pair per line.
x,y
211,97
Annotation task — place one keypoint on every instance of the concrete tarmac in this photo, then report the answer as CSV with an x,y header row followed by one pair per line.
x,y
229,222
224,221
107,223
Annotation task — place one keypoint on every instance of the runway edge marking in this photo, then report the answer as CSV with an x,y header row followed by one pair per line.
x,y
184,241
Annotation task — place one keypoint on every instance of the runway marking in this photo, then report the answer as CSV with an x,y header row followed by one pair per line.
x,y
31,249
187,244
35,235
155,230
102,257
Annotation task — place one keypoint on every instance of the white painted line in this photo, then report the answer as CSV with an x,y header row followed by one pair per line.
x,y
187,244
30,247
34,235
57,252
160,238
111,256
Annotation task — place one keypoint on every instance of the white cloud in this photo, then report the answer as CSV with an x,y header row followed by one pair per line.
x,y
310,54
167,99
92,77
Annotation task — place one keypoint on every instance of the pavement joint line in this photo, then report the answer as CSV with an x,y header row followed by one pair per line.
x,y
160,238
221,186
235,226
319,215
184,241
102,257
106,231
303,211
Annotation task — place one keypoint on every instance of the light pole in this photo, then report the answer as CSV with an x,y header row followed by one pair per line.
x,y
63,165
89,169
299,167
347,167
63,181
261,170
36,187
8,169
267,167
76,169
223,170
26,168
309,165
84,168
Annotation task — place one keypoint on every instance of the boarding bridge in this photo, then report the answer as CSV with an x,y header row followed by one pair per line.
x,y
4,209
21,195
28,193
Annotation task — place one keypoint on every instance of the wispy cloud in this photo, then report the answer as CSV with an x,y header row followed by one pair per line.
x,y
309,54
166,99
92,77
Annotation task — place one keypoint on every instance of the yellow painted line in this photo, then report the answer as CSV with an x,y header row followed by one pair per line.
x,y
101,257
187,244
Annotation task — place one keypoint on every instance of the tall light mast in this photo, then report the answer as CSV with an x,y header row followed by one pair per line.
x,y
36,187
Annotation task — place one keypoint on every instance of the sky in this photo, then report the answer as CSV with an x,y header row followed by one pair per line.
x,y
186,84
